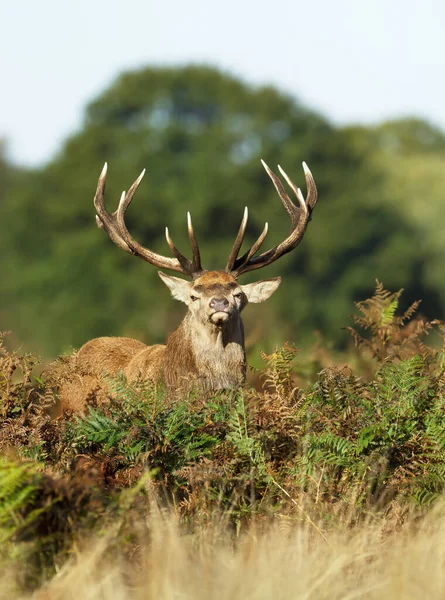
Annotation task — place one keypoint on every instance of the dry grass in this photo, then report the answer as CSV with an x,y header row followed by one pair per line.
x,y
280,563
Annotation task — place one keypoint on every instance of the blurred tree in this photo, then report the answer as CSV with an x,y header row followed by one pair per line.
x,y
200,133
410,155
9,177
412,152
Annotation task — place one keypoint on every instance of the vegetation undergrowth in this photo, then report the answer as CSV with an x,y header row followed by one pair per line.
x,y
357,444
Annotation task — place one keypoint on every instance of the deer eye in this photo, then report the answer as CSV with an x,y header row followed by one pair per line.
x,y
193,298
238,295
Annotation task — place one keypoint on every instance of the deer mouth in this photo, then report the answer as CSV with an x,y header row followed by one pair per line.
x,y
219,317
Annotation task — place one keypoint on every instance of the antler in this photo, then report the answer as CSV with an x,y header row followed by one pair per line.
x,y
114,226
300,216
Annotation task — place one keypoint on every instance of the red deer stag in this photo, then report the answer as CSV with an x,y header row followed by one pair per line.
x,y
207,349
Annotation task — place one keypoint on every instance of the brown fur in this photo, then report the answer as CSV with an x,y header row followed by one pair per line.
x,y
108,354
201,353
105,355
213,362
214,277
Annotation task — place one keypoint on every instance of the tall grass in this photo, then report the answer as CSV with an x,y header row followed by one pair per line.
x,y
281,563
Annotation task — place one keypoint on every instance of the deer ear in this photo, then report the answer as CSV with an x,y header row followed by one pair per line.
x,y
179,288
261,290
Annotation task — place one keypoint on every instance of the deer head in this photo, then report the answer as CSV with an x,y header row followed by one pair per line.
x,y
213,298
216,297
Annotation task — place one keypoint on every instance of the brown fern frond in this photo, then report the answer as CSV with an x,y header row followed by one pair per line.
x,y
385,334
409,312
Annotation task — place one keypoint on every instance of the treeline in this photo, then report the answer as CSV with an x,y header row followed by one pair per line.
x,y
200,133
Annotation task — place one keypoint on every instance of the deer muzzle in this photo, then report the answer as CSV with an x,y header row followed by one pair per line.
x,y
220,310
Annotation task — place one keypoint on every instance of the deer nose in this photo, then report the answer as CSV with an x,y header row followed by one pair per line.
x,y
219,304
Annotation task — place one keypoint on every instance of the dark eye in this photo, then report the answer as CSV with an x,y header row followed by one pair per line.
x,y
193,298
238,295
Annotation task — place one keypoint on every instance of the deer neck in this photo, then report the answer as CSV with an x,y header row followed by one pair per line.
x,y
210,337
209,357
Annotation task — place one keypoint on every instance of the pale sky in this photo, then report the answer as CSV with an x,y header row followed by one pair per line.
x,y
353,60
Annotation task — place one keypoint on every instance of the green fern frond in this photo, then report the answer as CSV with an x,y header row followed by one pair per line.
x,y
389,311
19,486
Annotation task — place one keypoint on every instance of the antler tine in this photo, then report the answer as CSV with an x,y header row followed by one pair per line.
x,y
185,263
238,242
100,190
114,225
126,198
196,261
296,191
104,219
192,267
290,207
254,248
300,216
312,194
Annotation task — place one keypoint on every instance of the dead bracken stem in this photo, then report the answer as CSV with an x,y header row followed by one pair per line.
x,y
301,509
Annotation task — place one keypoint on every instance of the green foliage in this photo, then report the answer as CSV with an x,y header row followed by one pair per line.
x,y
19,485
95,429
17,389
125,429
34,528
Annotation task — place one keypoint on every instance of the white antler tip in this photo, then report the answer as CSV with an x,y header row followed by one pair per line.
x,y
306,168
104,170
286,176
246,212
266,227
